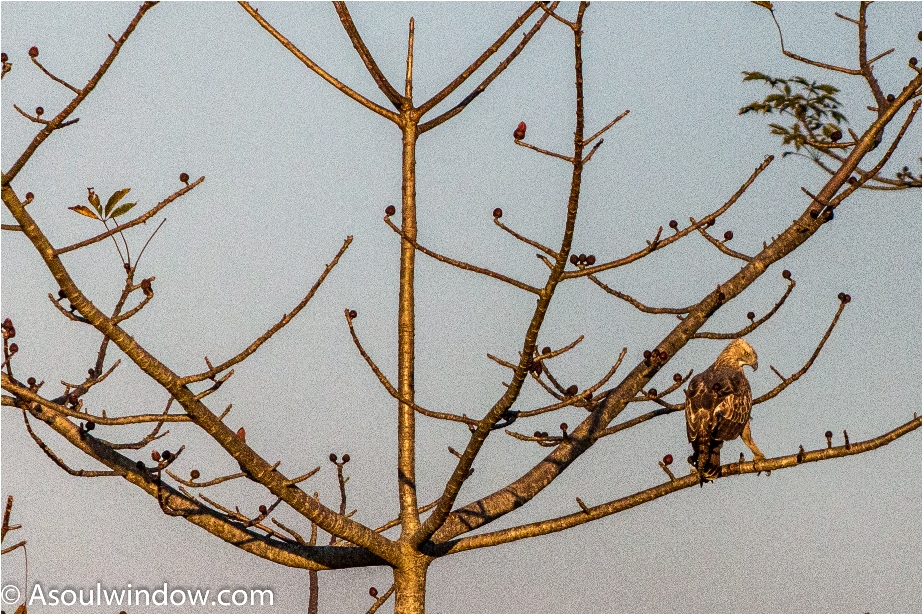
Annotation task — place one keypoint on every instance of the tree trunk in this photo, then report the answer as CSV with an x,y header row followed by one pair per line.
x,y
410,588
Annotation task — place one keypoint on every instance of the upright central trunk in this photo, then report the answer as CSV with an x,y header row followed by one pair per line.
x,y
406,330
410,587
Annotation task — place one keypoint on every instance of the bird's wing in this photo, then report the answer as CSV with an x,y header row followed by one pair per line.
x,y
735,406
700,402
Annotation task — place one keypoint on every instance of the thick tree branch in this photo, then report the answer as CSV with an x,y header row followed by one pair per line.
x,y
444,117
255,465
589,514
470,70
383,84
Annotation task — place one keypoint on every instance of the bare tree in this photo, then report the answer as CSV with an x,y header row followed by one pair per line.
x,y
854,162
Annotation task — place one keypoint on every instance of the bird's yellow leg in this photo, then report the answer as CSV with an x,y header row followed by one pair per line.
x,y
747,439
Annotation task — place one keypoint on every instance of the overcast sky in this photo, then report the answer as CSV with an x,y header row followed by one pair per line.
x,y
292,167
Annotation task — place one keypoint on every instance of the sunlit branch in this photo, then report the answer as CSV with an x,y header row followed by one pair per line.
x,y
896,141
719,244
470,70
26,394
54,78
138,220
787,381
380,600
867,71
546,152
546,527
549,353
380,80
35,119
607,127
459,264
755,323
522,238
638,304
81,473
585,395
432,123
657,396
345,89
193,484
501,409
794,56
638,420
154,435
269,333
396,521
61,117
660,243
390,387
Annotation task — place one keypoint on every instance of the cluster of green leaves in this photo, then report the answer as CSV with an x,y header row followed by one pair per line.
x,y
813,105
112,209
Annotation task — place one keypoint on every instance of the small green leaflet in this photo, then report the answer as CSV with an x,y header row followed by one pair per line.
x,y
122,209
113,200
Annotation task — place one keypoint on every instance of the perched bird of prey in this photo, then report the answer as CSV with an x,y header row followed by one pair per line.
x,y
718,402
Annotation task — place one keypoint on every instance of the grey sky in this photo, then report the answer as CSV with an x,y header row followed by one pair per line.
x,y
292,167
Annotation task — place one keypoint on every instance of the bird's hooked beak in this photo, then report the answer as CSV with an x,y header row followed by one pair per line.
x,y
755,365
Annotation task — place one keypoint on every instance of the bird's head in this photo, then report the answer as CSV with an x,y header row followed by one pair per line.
x,y
740,353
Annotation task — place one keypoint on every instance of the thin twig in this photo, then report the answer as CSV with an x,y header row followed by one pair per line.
x,y
211,372
459,264
787,381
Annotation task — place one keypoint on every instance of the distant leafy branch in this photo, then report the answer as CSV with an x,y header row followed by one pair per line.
x,y
812,104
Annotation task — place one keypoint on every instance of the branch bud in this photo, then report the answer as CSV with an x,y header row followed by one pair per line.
x,y
519,133
33,52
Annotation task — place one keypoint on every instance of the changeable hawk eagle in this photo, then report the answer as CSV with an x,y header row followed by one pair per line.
x,y
717,407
